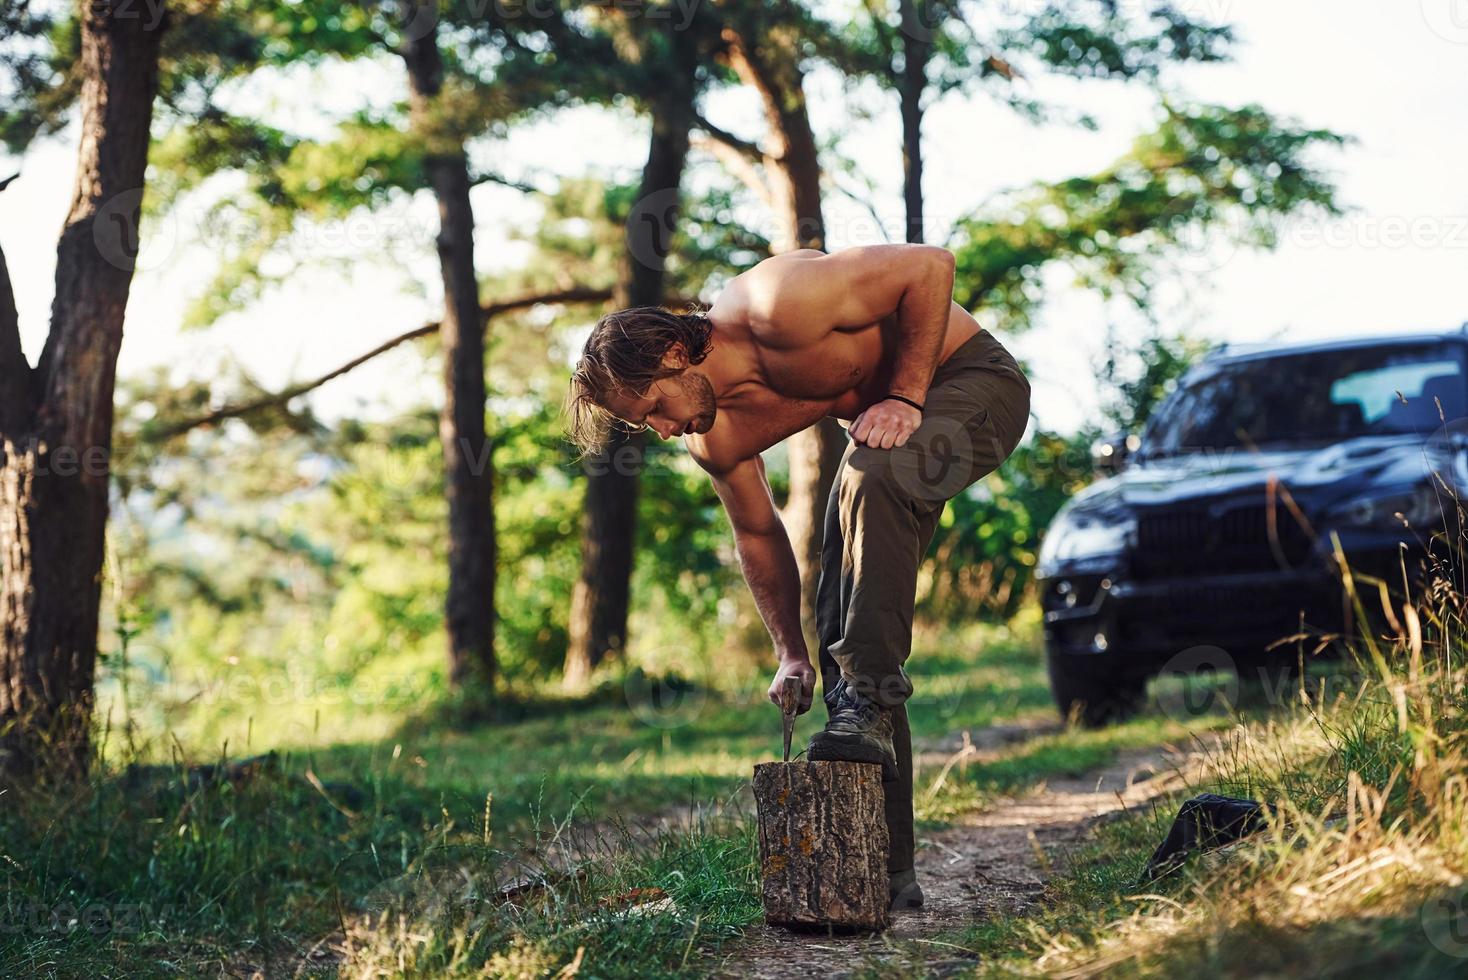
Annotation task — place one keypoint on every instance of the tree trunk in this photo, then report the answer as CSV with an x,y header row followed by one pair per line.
x,y
468,465
916,50
599,603
822,844
56,421
771,65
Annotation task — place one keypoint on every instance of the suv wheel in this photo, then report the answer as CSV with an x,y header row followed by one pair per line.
x,y
1092,688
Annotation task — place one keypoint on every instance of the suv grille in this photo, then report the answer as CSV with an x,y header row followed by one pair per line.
x,y
1239,539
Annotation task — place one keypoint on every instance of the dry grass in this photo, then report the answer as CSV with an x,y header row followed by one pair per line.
x,y
1364,868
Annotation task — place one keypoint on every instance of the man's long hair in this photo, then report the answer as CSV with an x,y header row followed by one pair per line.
x,y
623,356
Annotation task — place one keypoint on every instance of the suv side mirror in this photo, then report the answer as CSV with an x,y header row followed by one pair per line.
x,y
1110,454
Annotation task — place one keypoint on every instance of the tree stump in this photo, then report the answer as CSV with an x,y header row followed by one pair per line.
x,y
822,845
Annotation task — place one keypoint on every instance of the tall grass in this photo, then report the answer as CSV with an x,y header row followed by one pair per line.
x,y
1364,868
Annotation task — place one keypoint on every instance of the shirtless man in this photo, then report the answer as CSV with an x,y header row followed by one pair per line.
x,y
869,335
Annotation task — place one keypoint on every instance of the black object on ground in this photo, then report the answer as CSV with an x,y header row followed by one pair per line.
x,y
1203,823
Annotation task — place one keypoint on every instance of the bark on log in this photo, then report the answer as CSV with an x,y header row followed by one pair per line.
x,y
822,845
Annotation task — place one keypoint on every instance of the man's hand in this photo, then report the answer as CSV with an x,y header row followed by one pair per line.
x,y
886,424
795,667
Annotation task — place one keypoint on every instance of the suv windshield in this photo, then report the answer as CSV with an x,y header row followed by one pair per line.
x,y
1324,396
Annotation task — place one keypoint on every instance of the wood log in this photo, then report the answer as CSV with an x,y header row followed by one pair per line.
x,y
822,845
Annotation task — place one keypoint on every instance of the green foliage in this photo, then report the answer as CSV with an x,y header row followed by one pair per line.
x,y
501,66
275,540
1095,39
1206,170
982,559
990,49
1138,376
37,82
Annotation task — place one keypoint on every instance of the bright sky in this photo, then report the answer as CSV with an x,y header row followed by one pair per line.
x,y
1393,76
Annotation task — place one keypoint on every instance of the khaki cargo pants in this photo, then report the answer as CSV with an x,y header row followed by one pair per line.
x,y
883,510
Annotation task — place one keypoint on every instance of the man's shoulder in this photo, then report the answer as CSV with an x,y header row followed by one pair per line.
x,y
777,289
720,453
775,269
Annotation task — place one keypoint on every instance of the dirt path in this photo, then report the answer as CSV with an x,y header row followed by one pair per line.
x,y
987,864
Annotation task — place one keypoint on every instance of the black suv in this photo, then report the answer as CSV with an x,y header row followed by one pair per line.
x,y
1213,537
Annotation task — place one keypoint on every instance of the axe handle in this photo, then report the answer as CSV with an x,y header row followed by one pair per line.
x,y
790,695
789,701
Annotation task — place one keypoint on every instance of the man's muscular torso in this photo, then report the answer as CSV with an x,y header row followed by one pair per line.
x,y
799,337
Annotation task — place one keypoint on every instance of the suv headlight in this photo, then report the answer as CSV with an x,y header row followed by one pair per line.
x,y
1078,537
1411,507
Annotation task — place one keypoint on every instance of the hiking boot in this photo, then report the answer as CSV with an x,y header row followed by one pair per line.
x,y
859,730
904,891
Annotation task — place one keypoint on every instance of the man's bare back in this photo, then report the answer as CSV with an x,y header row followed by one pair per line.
x,y
805,335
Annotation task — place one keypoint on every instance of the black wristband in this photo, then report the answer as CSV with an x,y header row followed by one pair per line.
x,y
906,401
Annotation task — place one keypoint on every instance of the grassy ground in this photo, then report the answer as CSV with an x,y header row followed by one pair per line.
x,y
1363,870
162,870
384,858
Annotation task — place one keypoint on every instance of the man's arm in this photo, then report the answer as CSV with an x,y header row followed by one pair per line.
x,y
810,295
768,563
